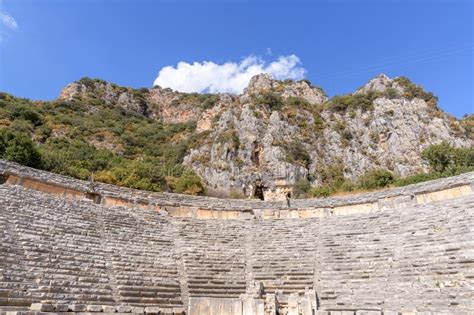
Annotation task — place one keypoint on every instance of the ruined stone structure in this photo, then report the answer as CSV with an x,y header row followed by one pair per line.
x,y
281,190
68,245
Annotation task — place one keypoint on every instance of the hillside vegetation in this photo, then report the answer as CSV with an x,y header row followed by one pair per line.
x,y
116,146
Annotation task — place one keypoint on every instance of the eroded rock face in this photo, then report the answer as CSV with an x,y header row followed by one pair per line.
x,y
162,104
391,135
380,84
263,82
250,145
108,93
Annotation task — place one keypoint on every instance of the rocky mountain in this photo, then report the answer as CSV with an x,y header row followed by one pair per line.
x,y
278,132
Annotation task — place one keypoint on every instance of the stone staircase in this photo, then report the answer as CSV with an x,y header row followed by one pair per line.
x,y
283,254
213,257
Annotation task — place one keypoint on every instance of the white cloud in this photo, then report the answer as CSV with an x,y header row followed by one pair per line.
x,y
230,77
8,21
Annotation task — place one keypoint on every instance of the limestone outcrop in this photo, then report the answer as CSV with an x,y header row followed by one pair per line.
x,y
278,132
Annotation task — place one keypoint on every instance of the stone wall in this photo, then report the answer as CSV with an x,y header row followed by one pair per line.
x,y
61,250
178,205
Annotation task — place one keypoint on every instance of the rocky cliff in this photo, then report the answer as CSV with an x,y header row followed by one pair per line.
x,y
278,132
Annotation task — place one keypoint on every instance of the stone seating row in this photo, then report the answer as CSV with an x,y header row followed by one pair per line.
x,y
76,252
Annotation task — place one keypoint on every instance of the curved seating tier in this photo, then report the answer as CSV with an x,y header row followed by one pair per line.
x,y
60,250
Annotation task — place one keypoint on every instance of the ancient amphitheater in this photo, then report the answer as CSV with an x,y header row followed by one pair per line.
x,y
67,245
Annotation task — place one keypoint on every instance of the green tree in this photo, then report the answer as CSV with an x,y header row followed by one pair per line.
x,y
439,156
446,159
18,147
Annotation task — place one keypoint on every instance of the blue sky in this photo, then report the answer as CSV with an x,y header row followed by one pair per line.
x,y
340,44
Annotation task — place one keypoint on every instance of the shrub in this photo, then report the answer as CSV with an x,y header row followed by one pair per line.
x,y
468,124
229,136
271,99
412,90
209,101
301,188
418,178
332,180
318,121
204,101
375,178
340,103
298,102
391,93
296,153
27,114
332,175
106,177
90,82
187,184
322,191
22,126
362,101
347,185
235,194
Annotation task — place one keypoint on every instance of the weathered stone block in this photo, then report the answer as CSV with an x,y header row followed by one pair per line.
x,y
108,308
306,308
152,310
260,307
62,307
166,311
94,308
178,311
293,304
77,307
138,310
124,309
41,307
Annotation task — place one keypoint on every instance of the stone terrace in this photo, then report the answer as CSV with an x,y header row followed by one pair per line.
x,y
59,253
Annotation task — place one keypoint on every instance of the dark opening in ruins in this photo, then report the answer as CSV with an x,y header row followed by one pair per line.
x,y
3,179
255,156
258,192
96,198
